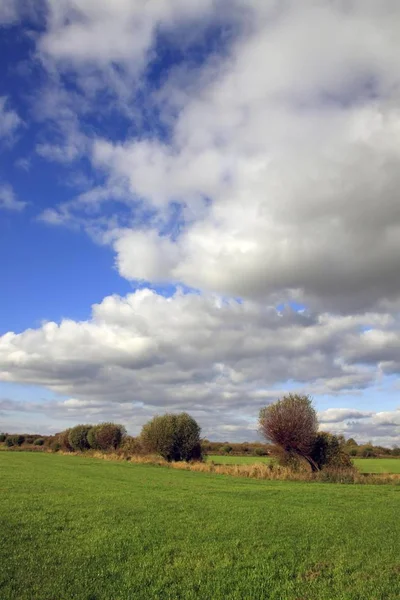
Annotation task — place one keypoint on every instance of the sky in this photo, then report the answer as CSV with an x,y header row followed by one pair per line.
x,y
199,211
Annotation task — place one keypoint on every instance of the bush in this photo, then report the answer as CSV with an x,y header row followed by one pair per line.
x,y
77,437
174,437
2,437
227,449
261,452
38,442
353,452
131,446
329,451
106,436
15,440
62,439
368,452
29,439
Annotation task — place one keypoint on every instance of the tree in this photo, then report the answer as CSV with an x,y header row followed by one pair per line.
x,y
77,437
173,436
106,436
291,423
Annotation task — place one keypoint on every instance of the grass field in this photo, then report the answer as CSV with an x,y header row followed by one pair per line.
x,y
365,465
85,529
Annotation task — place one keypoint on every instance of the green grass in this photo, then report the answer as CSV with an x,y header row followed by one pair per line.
x,y
378,465
237,460
365,465
85,529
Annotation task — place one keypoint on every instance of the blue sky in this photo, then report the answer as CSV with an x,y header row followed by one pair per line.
x,y
199,211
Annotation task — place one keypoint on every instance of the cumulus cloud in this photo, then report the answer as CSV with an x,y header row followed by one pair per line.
x,y
221,359
96,31
9,119
8,199
282,153
377,427
338,415
262,168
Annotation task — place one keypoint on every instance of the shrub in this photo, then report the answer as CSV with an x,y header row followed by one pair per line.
x,y
227,449
2,437
261,452
353,452
77,437
29,439
16,440
106,436
63,440
174,437
38,442
131,446
396,451
329,451
9,442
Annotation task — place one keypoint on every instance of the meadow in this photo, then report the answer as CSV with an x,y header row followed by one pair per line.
x,y
85,529
365,465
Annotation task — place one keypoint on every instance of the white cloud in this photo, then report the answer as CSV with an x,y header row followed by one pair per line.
x,y
276,178
8,199
298,158
9,119
338,415
377,427
97,32
220,359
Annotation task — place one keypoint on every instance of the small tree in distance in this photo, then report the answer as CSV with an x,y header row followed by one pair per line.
x,y
175,437
291,424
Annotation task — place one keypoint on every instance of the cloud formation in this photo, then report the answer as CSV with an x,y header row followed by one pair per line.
x,y
221,359
8,199
257,167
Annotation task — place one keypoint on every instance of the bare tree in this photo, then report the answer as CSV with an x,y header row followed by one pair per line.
x,y
292,425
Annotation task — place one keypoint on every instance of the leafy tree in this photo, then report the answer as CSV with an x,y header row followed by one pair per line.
x,y
291,423
38,442
351,442
227,449
106,436
77,437
173,436
2,437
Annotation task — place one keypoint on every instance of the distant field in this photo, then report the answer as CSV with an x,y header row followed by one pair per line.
x,y
84,529
365,465
378,465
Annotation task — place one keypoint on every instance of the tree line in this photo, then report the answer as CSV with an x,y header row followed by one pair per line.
x,y
289,426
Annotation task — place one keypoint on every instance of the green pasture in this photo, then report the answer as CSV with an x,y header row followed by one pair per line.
x,y
365,465
76,528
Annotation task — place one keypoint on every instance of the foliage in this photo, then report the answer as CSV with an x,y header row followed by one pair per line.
x,y
38,442
131,446
106,436
227,449
173,436
3,437
77,437
329,451
291,424
15,440
261,452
